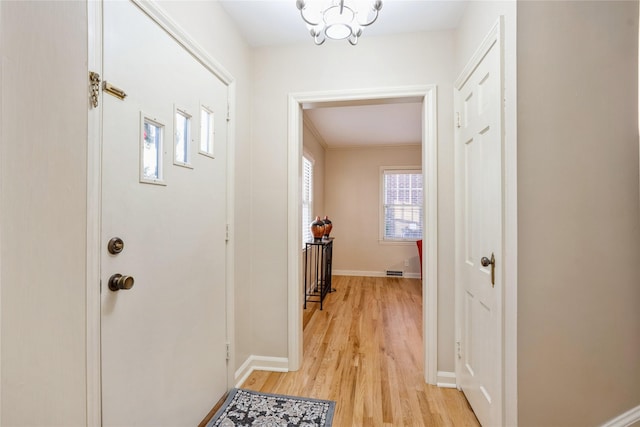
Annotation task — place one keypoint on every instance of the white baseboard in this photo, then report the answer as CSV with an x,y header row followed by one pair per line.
x,y
359,273
372,274
627,419
260,363
446,379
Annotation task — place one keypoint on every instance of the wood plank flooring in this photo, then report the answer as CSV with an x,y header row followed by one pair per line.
x,y
365,351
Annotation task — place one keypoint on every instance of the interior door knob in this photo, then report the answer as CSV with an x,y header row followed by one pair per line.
x,y
118,281
486,262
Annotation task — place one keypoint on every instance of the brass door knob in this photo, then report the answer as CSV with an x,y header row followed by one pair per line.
x,y
118,281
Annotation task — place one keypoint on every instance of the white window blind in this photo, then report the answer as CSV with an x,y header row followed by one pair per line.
x,y
307,199
402,196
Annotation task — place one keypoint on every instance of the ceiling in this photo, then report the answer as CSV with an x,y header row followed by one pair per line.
x,y
277,22
368,125
265,23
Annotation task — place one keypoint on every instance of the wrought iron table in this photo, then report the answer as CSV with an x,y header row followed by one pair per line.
x,y
317,270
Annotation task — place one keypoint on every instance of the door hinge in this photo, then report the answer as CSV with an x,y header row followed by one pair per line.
x,y
226,235
459,349
458,124
228,352
94,88
228,112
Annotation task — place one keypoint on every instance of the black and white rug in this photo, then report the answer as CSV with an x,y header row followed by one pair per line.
x,y
252,408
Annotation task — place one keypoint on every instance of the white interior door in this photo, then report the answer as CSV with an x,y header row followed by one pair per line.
x,y
479,208
163,340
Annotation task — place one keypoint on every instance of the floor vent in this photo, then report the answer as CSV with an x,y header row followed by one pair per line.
x,y
394,273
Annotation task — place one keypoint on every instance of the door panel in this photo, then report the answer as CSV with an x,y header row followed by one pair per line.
x,y
479,140
163,340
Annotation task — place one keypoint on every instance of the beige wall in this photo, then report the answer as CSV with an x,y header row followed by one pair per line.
x,y
353,201
314,145
579,213
401,60
43,212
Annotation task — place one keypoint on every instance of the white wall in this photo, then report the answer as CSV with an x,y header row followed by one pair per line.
x,y
43,212
353,199
403,60
579,212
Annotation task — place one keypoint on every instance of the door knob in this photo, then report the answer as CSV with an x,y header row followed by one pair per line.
x,y
118,281
486,262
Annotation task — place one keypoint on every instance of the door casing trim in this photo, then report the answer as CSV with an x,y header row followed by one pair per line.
x,y
297,101
94,194
94,207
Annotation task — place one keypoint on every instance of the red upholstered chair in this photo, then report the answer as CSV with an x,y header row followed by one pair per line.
x,y
419,243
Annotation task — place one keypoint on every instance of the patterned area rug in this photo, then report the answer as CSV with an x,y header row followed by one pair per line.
x,y
252,408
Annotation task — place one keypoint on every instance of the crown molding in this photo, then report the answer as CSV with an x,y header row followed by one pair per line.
x,y
314,131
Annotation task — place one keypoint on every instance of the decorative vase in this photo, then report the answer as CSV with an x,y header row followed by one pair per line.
x,y
317,229
327,227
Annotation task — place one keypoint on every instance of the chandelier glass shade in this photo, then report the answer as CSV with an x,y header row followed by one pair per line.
x,y
338,19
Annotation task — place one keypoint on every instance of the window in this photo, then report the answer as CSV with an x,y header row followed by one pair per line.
x,y
182,143
401,204
206,131
307,198
151,149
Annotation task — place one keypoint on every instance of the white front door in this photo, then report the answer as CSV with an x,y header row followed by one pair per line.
x,y
479,139
164,339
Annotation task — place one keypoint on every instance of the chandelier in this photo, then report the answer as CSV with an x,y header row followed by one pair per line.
x,y
338,19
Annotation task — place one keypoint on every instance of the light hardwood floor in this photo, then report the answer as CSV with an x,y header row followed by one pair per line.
x,y
365,351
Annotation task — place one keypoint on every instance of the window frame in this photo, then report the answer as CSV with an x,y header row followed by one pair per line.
x,y
385,170
211,132
188,137
151,119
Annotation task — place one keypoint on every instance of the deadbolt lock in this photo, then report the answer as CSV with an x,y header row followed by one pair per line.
x,y
115,246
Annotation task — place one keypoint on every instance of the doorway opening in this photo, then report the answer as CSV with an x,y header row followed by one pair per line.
x,y
301,101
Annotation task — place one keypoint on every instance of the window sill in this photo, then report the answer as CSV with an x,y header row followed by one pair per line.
x,y
398,242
